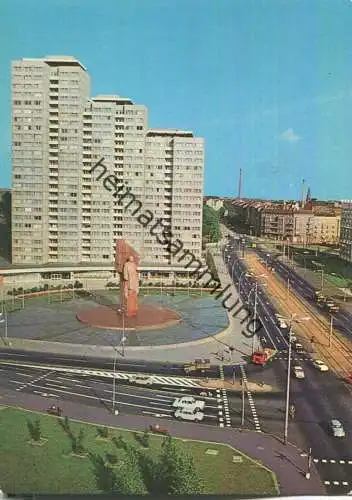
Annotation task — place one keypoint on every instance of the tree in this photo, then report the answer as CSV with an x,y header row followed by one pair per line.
x,y
211,224
177,474
129,477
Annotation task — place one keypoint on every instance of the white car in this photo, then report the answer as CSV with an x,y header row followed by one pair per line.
x,y
189,403
282,324
336,428
298,372
189,414
298,348
141,379
320,365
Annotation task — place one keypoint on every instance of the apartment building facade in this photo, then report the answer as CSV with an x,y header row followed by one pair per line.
x,y
60,212
290,222
346,231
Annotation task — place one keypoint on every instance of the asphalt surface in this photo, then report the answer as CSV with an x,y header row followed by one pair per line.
x,y
57,387
318,398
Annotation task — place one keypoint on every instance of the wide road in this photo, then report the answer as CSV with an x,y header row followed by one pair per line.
x,y
124,363
318,398
58,387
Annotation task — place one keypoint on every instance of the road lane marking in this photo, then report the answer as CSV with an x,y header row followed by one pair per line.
x,y
251,401
33,381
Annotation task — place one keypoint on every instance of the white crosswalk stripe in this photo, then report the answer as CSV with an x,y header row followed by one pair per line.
x,y
331,461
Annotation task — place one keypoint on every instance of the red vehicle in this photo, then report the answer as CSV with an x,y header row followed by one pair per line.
x,y
262,357
158,430
54,410
349,379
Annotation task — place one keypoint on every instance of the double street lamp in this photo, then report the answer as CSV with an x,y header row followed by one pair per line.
x,y
122,344
293,319
3,320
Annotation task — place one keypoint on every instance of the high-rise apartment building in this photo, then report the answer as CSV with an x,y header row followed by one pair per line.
x,y
61,213
346,231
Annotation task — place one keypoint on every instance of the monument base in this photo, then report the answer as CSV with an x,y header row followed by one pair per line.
x,y
148,317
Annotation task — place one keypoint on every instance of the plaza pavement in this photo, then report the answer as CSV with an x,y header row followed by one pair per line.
x,y
213,347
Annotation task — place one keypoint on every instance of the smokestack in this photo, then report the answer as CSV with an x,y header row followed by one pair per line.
x,y
303,193
240,185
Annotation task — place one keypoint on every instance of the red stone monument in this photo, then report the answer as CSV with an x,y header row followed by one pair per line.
x,y
129,315
126,264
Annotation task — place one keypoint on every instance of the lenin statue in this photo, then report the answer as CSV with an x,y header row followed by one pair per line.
x,y
126,263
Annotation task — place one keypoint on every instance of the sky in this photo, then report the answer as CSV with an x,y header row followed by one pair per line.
x,y
267,83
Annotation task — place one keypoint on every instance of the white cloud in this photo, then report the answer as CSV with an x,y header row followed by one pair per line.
x,y
289,136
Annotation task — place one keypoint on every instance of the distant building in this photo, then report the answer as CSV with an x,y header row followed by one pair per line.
x,y
214,202
5,225
346,231
314,224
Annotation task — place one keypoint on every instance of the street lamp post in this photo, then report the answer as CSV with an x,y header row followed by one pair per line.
x,y
288,383
122,343
3,319
255,314
242,415
331,329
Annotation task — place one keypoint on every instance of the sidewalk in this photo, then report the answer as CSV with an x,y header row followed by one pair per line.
x,y
285,461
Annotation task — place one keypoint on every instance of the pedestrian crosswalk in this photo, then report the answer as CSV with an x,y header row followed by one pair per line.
x,y
250,401
331,461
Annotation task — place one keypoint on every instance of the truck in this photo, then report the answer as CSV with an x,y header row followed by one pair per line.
x,y
263,356
197,365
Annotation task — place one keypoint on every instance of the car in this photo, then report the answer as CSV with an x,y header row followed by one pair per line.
x,y
141,379
298,348
320,365
298,372
293,338
190,403
282,324
189,414
336,428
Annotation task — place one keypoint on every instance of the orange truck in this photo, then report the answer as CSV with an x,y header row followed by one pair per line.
x,y
263,356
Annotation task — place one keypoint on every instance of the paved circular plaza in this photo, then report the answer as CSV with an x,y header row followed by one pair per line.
x,y
49,319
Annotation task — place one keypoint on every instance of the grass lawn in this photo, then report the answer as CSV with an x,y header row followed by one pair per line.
x,y
49,468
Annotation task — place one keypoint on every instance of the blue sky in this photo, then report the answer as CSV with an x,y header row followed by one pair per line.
x,y
267,83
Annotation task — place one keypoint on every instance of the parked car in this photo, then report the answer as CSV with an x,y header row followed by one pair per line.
x,y
282,324
320,365
190,403
298,372
336,428
190,414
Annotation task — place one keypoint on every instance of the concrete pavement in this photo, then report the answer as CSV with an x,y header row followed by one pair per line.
x,y
285,461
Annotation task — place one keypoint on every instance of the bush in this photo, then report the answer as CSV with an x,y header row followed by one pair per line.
x,y
111,458
103,432
145,439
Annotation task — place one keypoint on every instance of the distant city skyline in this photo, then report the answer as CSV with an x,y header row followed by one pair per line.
x,y
267,84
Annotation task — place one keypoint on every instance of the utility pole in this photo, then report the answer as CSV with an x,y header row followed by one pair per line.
x,y
309,468
288,288
331,329
255,313
242,417
322,281
288,382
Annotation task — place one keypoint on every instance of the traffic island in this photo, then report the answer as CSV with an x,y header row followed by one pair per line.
x,y
235,386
